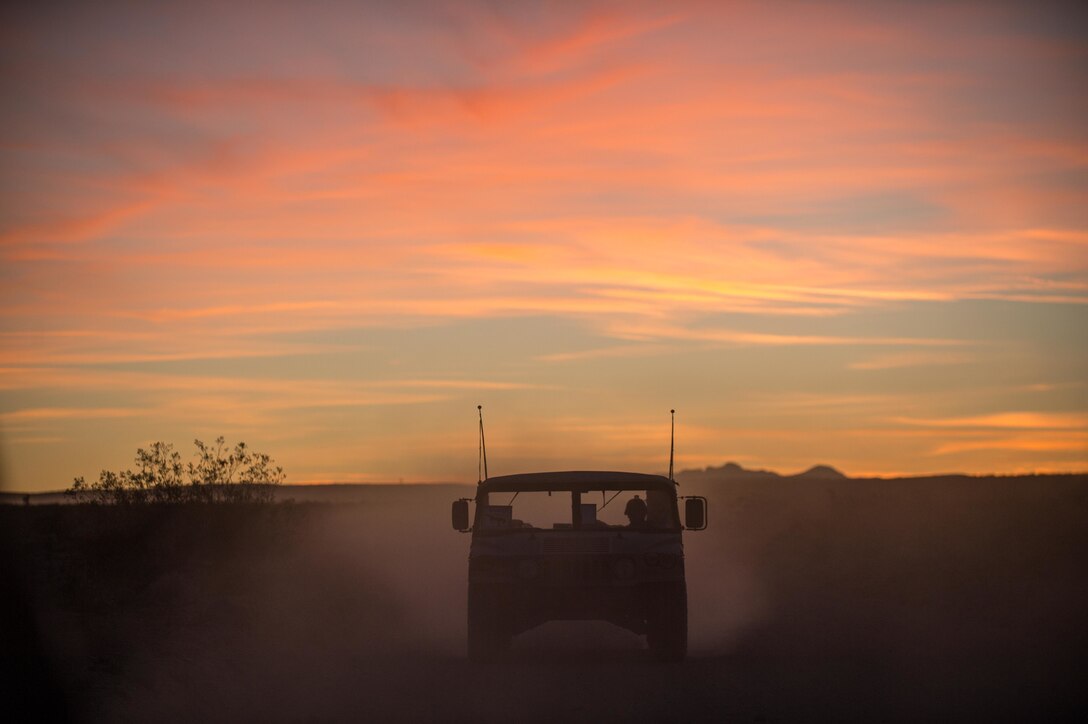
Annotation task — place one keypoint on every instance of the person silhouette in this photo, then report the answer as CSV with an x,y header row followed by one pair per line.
x,y
636,512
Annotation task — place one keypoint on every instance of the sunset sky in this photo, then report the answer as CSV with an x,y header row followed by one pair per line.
x,y
843,233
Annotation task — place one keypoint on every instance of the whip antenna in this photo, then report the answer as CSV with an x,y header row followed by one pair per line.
x,y
482,464
672,441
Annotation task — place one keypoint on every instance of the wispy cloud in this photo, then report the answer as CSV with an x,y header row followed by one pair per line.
x,y
633,350
911,359
1066,442
638,331
1016,420
66,413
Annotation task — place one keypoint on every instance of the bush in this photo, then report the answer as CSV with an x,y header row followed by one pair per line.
x,y
218,475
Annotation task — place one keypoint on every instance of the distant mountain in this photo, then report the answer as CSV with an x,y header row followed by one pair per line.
x,y
729,471
821,472
733,471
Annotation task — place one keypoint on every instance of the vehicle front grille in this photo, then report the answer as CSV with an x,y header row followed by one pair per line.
x,y
577,570
577,544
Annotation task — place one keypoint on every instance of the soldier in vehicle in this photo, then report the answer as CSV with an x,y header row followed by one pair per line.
x,y
636,512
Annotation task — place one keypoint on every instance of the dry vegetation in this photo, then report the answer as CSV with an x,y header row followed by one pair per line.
x,y
217,474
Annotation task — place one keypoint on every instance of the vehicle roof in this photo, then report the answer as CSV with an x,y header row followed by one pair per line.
x,y
577,480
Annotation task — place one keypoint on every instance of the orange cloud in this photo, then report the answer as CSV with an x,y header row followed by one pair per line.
x,y
728,336
55,413
1019,420
911,359
1073,443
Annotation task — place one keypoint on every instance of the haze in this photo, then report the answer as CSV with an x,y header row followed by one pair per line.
x,y
851,233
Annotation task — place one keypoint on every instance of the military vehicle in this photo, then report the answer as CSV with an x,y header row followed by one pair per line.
x,y
550,546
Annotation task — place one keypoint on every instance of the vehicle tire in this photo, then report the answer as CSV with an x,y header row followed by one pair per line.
x,y
667,621
488,635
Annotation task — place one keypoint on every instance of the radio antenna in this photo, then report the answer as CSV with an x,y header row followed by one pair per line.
x,y
482,464
672,442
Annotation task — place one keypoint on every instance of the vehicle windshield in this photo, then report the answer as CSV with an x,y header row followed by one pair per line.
x,y
588,510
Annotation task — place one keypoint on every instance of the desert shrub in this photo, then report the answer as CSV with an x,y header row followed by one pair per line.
x,y
218,474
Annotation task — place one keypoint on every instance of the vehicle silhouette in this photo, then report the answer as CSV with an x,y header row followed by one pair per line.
x,y
544,550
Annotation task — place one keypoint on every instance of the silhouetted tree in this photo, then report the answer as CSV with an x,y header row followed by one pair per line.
x,y
218,474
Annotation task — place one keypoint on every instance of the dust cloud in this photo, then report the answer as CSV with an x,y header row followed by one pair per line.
x,y
897,600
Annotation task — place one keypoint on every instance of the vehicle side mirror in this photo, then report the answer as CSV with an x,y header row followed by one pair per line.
x,y
695,512
460,515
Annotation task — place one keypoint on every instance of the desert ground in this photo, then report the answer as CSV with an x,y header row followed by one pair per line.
x,y
810,599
